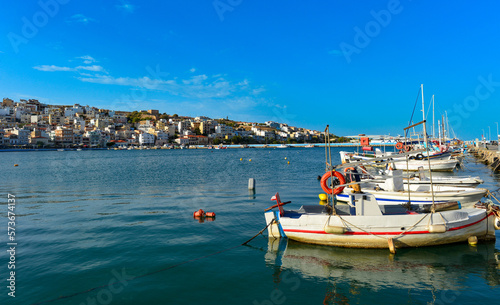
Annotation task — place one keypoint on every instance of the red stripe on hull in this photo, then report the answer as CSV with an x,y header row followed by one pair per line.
x,y
387,233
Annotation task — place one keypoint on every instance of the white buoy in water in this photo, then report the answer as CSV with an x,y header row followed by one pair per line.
x,y
251,183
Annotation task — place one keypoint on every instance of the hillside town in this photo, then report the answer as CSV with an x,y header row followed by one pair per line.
x,y
32,124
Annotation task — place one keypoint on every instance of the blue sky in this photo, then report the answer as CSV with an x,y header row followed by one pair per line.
x,y
355,65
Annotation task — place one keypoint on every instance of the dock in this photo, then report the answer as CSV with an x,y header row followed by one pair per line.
x,y
487,156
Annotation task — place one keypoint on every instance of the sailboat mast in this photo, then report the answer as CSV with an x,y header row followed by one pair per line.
x,y
433,134
423,112
439,132
447,124
442,126
427,150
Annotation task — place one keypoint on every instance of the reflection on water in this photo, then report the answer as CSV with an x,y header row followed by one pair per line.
x,y
444,268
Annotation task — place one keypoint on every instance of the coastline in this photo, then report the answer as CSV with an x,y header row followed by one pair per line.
x,y
320,145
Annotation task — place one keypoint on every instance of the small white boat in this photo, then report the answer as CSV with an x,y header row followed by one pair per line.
x,y
399,162
60,149
420,178
393,193
78,149
361,224
441,165
282,146
309,146
446,181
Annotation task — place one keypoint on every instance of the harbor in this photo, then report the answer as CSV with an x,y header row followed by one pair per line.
x,y
137,223
249,152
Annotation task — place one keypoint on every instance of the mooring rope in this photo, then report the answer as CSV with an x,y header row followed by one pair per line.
x,y
383,237
493,196
156,271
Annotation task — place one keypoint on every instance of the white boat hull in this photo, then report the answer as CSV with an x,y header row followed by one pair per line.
x,y
466,196
448,181
374,231
435,165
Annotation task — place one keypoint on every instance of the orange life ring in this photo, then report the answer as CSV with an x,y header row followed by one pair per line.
x,y
328,175
347,168
399,145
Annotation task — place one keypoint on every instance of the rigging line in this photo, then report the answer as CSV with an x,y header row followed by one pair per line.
x,y
154,272
413,112
428,110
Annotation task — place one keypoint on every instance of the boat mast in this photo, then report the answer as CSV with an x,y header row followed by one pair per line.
x,y
439,133
447,124
427,150
433,134
442,133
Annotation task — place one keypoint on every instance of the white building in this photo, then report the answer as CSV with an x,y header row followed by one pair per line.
x,y
94,137
145,125
146,139
23,135
183,125
272,124
224,129
161,138
7,111
263,132
182,141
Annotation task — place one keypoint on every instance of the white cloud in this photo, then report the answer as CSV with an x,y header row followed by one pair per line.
x,y
80,18
94,68
52,68
87,59
192,70
198,86
126,7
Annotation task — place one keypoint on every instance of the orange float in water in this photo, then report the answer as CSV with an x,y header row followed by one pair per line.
x,y
199,213
210,214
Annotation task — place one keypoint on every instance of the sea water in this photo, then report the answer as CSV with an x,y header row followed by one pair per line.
x,y
117,227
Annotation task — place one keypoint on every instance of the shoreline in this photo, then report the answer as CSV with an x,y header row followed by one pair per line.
x,y
198,147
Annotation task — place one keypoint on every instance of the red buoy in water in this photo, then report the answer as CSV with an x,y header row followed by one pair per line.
x,y
199,213
210,214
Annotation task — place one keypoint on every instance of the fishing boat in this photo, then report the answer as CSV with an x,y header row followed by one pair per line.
x,y
394,192
450,181
361,224
366,222
399,162
439,165
420,178
461,181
